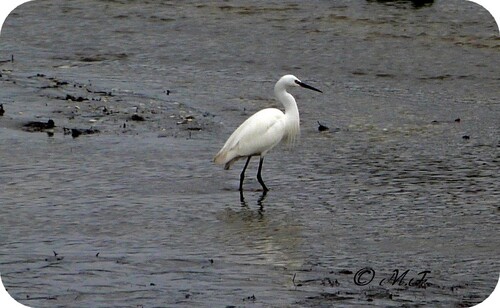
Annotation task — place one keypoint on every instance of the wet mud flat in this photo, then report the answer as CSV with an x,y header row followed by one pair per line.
x,y
118,204
80,108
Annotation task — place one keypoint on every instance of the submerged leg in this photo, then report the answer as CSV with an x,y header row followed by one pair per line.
x,y
259,177
242,175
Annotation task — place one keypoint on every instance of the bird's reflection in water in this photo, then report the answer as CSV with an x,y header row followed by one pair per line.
x,y
260,201
264,234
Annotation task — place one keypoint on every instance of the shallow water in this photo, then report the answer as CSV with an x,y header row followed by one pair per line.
x,y
139,216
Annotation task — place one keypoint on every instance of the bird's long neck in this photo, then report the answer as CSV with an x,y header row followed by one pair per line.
x,y
291,112
287,100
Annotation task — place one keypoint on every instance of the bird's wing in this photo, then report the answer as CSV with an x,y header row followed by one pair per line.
x,y
257,135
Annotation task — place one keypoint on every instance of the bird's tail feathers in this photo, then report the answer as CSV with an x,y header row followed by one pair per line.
x,y
228,165
222,159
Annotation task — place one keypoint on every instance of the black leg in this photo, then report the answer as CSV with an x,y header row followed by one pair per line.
x,y
242,175
261,200
242,199
259,177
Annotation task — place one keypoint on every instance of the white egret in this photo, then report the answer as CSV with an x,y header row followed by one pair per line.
x,y
264,130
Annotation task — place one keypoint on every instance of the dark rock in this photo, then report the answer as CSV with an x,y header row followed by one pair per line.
x,y
322,127
137,117
39,126
76,132
75,99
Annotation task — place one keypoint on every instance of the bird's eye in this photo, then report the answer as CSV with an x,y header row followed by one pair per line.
x,y
297,81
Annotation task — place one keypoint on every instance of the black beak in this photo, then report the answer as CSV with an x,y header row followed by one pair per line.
x,y
303,85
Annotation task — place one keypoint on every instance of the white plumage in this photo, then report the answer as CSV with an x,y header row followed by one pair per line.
x,y
264,130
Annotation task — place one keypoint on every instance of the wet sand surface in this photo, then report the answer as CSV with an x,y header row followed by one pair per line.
x,y
131,211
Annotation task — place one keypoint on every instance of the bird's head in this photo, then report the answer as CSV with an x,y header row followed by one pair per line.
x,y
292,81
